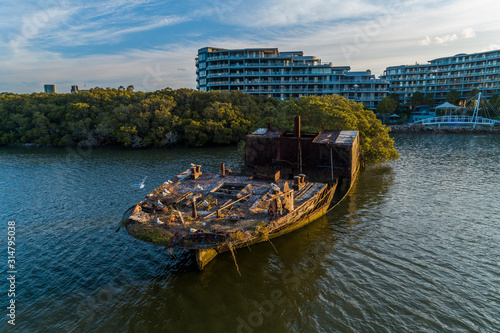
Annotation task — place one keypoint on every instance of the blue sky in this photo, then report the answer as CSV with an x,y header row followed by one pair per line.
x,y
152,44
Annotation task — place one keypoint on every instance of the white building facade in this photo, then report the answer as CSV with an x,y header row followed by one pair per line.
x,y
462,72
283,75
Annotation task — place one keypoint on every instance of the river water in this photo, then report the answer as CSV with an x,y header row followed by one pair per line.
x,y
413,248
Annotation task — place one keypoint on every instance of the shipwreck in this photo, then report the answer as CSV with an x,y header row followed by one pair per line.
x,y
290,180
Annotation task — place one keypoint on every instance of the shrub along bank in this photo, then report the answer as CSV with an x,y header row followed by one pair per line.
x,y
178,117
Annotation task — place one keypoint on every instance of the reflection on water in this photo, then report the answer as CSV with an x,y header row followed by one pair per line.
x,y
411,248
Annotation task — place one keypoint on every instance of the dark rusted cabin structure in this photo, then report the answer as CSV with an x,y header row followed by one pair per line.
x,y
323,157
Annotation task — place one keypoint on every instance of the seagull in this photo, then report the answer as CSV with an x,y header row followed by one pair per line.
x,y
168,182
159,222
193,165
199,187
141,184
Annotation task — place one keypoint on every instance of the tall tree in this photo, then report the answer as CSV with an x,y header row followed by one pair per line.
x,y
495,101
387,105
429,99
395,97
453,96
417,98
336,112
472,93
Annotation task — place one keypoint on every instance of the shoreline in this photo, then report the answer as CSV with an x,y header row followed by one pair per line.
x,y
419,129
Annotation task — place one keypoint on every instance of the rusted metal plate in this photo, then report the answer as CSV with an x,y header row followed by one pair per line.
x,y
346,138
266,133
327,137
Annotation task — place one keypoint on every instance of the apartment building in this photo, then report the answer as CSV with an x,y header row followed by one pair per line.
x,y
462,72
283,75
49,88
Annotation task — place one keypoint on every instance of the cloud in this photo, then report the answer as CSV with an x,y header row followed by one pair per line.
x,y
444,39
121,42
98,33
468,33
89,23
276,13
424,42
491,47
147,70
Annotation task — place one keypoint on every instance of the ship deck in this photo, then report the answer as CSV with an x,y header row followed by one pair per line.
x,y
215,208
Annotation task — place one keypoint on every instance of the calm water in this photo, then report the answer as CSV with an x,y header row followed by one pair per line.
x,y
413,248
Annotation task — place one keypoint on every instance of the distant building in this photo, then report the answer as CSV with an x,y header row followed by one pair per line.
x,y
283,75
462,72
74,89
49,88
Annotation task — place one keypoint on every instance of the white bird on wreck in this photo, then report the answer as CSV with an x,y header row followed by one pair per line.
x,y
159,222
141,184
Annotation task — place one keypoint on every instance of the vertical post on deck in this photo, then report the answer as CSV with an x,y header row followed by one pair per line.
x,y
195,213
222,170
299,146
331,161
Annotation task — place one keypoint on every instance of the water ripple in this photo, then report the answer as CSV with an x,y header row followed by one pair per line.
x,y
412,248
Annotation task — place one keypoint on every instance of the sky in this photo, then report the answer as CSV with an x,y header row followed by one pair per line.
x,y
153,44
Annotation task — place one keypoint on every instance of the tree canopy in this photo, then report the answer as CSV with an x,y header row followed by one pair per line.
x,y
495,101
417,98
453,96
472,93
177,117
335,112
387,105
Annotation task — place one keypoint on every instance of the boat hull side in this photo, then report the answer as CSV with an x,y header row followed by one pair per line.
x,y
204,256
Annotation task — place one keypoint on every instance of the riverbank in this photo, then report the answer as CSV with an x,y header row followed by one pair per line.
x,y
183,117
410,128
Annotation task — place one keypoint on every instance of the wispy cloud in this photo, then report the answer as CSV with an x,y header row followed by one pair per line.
x,y
145,69
491,47
275,13
424,42
88,23
147,43
105,33
444,39
34,25
466,33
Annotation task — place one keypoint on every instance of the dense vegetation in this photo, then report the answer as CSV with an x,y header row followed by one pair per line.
x,y
172,117
336,112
